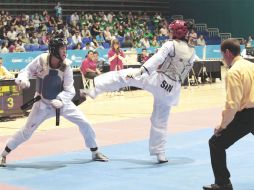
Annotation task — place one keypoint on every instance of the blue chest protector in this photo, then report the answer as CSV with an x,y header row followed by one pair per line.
x,y
50,86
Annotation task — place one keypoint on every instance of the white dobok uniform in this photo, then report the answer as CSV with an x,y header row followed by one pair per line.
x,y
164,73
51,84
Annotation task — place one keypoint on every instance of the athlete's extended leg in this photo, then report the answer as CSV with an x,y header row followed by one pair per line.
x,y
113,81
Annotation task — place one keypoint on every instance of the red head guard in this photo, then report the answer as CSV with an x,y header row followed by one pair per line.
x,y
179,29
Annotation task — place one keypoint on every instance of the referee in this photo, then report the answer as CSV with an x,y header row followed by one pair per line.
x,y
238,114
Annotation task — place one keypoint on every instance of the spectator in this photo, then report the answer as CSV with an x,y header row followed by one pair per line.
x,y
94,44
66,33
30,28
76,38
193,37
8,17
148,34
78,46
19,46
74,19
43,27
88,46
59,23
110,17
137,43
34,39
88,67
95,30
3,34
58,10
145,42
249,41
52,22
20,28
100,38
127,43
4,48
99,61
163,31
107,34
24,19
121,31
12,34
56,30
201,41
86,32
45,17
4,73
130,16
156,19
115,56
46,38
88,17
36,21
192,42
104,17
244,53
154,42
12,47
144,56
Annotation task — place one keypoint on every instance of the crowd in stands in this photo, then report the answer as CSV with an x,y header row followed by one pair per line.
x,y
88,31
82,30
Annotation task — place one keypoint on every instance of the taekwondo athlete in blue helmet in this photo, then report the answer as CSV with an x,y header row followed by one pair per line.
x,y
55,87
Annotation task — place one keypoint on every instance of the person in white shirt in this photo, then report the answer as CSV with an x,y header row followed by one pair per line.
x,y
12,34
86,32
193,37
76,38
201,41
74,19
145,42
4,48
107,34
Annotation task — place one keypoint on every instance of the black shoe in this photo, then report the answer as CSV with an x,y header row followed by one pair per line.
x,y
218,187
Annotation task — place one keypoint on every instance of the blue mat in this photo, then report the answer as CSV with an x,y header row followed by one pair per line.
x,y
131,168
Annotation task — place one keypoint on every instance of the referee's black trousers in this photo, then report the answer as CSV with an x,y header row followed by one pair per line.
x,y
242,124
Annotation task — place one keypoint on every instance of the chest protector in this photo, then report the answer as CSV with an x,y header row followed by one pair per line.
x,y
49,81
178,65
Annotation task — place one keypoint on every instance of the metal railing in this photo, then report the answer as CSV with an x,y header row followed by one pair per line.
x,y
213,32
200,27
224,36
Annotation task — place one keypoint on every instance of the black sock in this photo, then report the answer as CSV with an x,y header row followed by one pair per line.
x,y
94,149
7,149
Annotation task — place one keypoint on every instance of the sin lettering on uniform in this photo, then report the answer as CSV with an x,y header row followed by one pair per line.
x,y
166,86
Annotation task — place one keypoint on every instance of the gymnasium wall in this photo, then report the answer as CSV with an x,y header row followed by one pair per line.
x,y
233,16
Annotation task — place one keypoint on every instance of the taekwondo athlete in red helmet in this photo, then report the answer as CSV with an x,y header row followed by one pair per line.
x,y
162,76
